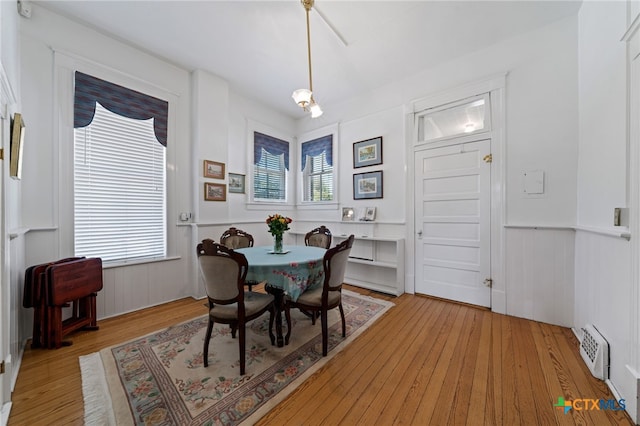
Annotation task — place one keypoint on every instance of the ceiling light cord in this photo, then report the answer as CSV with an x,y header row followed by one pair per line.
x,y
307,6
304,97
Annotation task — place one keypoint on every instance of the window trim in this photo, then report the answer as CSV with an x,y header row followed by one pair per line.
x,y
307,175
62,193
260,204
331,130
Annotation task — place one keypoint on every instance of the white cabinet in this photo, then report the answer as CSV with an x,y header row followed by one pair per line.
x,y
376,263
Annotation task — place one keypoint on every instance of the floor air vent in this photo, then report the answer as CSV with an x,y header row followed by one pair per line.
x,y
595,352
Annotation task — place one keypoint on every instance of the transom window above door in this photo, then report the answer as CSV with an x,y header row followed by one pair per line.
x,y
471,115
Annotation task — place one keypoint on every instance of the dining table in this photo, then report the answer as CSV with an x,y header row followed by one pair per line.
x,y
289,273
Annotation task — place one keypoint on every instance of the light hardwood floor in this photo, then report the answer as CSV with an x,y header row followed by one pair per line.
x,y
426,362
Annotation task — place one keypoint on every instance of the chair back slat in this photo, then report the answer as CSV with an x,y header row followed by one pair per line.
x,y
335,264
223,272
234,238
318,237
220,277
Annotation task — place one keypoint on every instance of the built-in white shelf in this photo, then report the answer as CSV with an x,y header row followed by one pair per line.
x,y
376,263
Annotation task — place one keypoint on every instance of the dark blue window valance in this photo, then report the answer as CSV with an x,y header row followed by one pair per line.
x,y
270,144
119,100
316,147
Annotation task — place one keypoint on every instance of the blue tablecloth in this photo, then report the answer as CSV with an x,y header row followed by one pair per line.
x,y
294,272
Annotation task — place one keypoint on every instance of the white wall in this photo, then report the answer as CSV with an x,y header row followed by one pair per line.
x,y
604,289
205,118
541,134
244,115
389,124
9,44
532,84
213,122
11,248
541,113
51,47
603,113
540,274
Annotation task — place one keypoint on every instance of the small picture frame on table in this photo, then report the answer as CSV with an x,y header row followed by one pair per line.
x,y
370,214
348,214
367,185
367,152
215,191
213,169
236,183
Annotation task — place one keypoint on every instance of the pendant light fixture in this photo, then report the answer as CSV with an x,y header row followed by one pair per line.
x,y
304,97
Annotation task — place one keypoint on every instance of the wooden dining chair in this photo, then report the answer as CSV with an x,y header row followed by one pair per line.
x,y
235,238
329,296
318,237
223,272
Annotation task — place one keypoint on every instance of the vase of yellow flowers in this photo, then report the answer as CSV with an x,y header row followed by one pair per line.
x,y
277,225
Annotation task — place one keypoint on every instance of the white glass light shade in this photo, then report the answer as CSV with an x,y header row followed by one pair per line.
x,y
315,109
302,97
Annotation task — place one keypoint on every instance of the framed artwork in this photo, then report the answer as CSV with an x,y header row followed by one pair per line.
x,y
213,169
236,183
347,214
367,185
17,146
370,214
367,153
215,191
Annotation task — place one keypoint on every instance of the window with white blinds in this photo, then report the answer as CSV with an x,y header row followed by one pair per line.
x,y
270,177
318,178
119,189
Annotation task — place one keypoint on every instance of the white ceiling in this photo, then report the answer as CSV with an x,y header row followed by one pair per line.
x,y
259,47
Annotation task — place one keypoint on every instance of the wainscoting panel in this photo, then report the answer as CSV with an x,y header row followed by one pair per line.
x,y
129,288
18,327
604,298
540,274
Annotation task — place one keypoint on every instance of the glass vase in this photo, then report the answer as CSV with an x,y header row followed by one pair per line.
x,y
277,243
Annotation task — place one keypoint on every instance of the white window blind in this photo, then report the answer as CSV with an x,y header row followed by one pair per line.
x,y
119,189
318,178
269,178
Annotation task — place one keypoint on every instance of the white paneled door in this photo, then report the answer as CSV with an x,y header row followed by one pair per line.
x,y
452,211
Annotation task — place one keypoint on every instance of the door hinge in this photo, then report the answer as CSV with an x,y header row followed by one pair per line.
x,y
2,367
488,158
488,282
1,153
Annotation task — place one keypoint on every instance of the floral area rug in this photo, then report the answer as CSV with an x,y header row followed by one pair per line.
x,y
160,379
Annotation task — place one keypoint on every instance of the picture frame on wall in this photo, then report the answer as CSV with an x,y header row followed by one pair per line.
x,y
367,185
17,146
236,183
367,153
213,169
215,191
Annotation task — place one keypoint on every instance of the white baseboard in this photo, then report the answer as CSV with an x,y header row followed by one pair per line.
x,y
498,301
4,418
